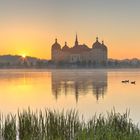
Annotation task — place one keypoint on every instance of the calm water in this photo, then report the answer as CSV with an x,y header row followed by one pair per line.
x,y
89,91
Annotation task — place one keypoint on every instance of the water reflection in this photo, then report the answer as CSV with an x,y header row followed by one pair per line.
x,y
79,83
82,90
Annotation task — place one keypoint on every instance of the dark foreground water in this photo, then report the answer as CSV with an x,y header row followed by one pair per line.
x,y
89,91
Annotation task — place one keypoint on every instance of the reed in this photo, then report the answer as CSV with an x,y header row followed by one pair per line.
x,y
54,125
8,127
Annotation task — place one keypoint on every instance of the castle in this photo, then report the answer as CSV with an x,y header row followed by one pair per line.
x,y
98,54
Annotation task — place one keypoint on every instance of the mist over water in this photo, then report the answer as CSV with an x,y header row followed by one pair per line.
x,y
88,91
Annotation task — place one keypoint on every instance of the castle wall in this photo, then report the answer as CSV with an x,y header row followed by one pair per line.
x,y
56,55
95,55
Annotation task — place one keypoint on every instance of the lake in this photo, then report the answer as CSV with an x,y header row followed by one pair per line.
x,y
88,91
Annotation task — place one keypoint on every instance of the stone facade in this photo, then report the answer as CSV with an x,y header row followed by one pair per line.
x,y
80,53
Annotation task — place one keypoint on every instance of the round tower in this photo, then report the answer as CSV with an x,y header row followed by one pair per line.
x,y
55,51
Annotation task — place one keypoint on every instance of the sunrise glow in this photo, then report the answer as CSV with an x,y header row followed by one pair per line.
x,y
23,56
35,29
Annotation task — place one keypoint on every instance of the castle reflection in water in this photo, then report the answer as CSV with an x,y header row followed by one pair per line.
x,y
79,83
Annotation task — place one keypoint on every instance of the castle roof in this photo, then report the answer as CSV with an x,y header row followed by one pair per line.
x,y
56,45
65,48
104,46
79,49
97,44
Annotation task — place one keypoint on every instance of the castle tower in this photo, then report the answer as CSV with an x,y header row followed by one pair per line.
x,y
56,51
76,41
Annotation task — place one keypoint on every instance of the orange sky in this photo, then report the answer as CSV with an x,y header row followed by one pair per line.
x,y
31,27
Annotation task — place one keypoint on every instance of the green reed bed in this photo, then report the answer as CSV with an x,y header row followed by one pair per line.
x,y
8,127
53,125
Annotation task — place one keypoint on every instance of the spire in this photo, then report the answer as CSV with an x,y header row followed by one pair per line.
x,y
103,42
56,40
65,43
97,38
76,40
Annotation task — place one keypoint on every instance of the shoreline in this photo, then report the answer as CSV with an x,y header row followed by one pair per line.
x,y
51,68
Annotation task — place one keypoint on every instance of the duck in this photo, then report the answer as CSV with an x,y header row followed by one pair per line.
x,y
133,82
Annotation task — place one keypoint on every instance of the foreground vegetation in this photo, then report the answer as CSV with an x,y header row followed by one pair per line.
x,y
52,125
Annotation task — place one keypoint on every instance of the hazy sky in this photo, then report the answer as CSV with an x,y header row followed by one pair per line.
x,y
30,26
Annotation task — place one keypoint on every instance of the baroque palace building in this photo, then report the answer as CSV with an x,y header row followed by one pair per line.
x,y
98,54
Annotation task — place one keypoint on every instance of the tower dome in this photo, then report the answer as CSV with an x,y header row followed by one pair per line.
x,y
104,46
56,45
65,48
97,44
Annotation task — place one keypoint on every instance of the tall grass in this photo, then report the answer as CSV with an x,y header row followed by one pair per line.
x,y
53,125
8,127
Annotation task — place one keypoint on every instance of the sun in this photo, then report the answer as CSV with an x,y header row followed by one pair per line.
x,y
23,56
